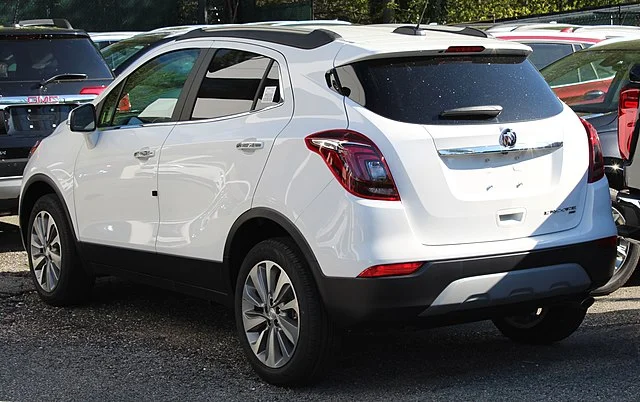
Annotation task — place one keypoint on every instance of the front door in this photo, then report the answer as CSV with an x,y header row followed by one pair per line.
x,y
116,169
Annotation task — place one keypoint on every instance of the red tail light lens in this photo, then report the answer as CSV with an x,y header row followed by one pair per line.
x,y
405,268
92,90
356,162
627,116
33,148
596,161
464,49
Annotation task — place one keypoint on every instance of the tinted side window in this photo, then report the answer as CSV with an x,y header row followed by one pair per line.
x,y
150,93
237,82
418,89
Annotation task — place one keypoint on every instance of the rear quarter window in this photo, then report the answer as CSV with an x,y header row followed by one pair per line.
x,y
418,90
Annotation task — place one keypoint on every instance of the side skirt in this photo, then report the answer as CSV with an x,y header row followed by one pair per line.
x,y
191,276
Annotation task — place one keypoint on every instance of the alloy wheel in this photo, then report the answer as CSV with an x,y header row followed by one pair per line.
x,y
622,244
270,314
46,251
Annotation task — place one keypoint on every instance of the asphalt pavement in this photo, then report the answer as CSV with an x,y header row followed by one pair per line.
x,y
138,343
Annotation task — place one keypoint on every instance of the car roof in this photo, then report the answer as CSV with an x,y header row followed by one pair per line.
x,y
621,43
373,37
113,35
547,36
37,30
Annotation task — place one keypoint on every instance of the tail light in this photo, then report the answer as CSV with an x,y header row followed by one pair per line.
x,y
596,161
356,162
627,116
405,268
33,148
92,90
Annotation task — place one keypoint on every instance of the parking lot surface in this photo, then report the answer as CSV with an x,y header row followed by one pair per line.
x,y
137,343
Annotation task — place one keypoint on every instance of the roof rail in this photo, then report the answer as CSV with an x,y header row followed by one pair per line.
x,y
468,31
47,22
297,38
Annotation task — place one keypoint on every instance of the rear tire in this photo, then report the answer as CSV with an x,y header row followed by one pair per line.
x,y
55,266
543,326
281,321
627,259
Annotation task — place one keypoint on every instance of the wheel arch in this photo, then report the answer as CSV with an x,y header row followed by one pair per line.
x,y
37,186
259,224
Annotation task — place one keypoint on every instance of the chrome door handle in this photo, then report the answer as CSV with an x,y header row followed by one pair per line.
x,y
249,145
144,153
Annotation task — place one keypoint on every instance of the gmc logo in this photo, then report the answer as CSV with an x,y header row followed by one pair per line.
x,y
43,99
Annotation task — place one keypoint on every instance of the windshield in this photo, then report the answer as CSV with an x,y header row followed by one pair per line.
x,y
120,52
41,59
419,89
590,81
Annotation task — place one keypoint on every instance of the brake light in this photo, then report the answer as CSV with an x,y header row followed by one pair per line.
x,y
33,148
378,271
627,116
92,90
464,49
596,160
356,162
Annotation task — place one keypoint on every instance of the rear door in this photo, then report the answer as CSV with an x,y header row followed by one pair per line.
x,y
473,176
212,161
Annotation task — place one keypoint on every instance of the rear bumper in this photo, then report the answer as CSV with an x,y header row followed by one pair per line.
x,y
472,288
9,194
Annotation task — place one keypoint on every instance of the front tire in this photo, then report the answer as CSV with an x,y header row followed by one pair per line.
x,y
543,326
55,267
282,325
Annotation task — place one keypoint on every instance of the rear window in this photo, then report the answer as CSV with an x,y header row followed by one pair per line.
x,y
40,59
546,53
418,90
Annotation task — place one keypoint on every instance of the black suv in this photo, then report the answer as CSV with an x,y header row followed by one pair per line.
x,y
44,73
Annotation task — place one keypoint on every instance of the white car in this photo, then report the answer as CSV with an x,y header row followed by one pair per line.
x,y
104,39
321,178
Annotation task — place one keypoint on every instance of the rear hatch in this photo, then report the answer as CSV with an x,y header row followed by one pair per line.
x,y
512,166
41,80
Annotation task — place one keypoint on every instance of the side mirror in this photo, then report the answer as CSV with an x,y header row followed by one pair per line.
x,y
634,74
83,118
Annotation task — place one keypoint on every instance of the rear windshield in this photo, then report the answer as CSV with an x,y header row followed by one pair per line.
x,y
40,59
418,90
120,52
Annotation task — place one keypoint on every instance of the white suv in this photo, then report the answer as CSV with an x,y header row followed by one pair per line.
x,y
321,178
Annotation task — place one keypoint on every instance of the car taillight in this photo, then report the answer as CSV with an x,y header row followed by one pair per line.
x,y
92,90
596,161
356,162
627,116
33,148
377,271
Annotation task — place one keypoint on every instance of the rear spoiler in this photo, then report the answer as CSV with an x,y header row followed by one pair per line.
x,y
46,22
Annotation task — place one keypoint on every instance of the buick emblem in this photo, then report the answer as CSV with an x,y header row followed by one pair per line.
x,y
508,138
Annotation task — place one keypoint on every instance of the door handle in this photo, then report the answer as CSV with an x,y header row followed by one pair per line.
x,y
249,145
144,153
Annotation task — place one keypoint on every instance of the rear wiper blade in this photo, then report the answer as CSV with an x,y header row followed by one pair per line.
x,y
63,77
472,112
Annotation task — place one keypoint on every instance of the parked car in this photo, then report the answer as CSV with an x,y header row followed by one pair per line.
x,y
44,73
590,81
550,46
514,26
326,177
104,39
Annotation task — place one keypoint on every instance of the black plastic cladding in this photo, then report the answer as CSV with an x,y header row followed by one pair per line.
x,y
298,39
467,31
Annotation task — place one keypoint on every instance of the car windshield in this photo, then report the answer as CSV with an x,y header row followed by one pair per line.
x,y
40,59
546,53
120,52
590,81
